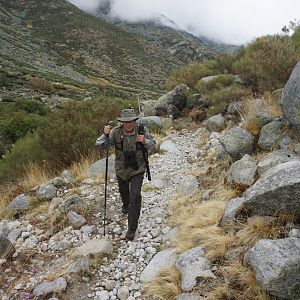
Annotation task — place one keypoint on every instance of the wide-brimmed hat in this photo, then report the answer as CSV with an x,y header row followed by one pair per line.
x,y
127,115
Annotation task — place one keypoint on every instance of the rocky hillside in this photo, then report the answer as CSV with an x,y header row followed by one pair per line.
x,y
164,33
220,219
60,43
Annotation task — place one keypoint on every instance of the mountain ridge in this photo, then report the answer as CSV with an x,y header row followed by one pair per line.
x,y
59,42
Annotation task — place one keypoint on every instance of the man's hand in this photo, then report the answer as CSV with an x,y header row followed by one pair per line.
x,y
140,139
106,130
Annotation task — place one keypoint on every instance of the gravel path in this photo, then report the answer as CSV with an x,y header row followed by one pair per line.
x,y
119,278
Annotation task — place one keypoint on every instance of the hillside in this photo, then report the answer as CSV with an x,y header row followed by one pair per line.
x,y
58,42
164,33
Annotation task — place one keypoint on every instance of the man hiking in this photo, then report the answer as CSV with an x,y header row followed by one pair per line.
x,y
131,147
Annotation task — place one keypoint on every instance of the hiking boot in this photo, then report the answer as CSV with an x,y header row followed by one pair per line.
x,y
125,209
130,235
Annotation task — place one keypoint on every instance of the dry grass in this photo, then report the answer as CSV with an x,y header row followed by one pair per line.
x,y
35,174
38,207
198,220
96,260
257,228
79,169
216,242
195,220
7,194
250,110
272,105
236,282
165,287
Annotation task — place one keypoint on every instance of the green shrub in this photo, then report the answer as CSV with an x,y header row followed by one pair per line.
x,y
31,106
59,138
26,150
205,87
70,134
190,74
17,124
219,99
224,63
8,98
267,62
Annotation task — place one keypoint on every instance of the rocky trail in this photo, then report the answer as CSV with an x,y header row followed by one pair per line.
x,y
52,269
120,277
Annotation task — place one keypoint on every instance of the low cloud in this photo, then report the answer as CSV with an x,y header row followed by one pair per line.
x,y
229,21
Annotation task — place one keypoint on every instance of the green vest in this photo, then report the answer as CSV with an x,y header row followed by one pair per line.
x,y
129,159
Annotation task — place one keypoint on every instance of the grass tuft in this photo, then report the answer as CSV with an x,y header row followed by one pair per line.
x,y
35,174
258,228
79,169
166,286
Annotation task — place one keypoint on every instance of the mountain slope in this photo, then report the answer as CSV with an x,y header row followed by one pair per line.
x,y
57,41
164,33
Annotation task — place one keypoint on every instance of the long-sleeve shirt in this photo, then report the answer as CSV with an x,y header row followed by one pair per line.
x,y
130,159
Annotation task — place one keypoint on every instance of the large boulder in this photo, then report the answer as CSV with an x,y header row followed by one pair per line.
x,y
176,97
46,191
276,192
276,264
290,100
21,202
191,265
243,171
270,136
237,142
148,107
215,123
97,169
162,260
275,158
152,122
232,209
161,105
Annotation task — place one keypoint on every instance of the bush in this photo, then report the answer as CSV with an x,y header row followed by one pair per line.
x,y
70,133
62,137
26,150
31,106
40,84
190,74
17,124
267,62
205,87
219,99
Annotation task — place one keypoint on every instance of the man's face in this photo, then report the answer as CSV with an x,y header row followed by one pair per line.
x,y
129,126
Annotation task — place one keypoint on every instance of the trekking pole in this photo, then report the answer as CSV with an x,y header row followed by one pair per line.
x,y
144,152
106,175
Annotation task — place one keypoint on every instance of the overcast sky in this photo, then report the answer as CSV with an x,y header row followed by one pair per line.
x,y
230,21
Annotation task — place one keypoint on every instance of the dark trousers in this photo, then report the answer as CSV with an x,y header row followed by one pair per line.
x,y
131,197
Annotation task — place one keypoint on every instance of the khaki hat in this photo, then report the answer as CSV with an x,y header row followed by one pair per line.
x,y
127,115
